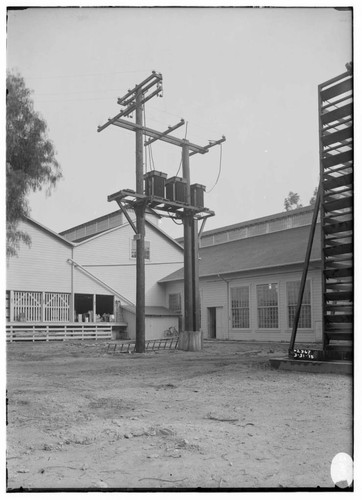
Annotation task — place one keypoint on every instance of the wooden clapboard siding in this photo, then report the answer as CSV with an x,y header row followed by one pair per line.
x,y
213,293
43,266
114,247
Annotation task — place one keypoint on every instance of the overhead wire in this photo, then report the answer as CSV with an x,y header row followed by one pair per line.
x,y
219,173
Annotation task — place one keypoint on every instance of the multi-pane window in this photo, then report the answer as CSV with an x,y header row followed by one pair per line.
x,y
134,250
267,301
174,302
240,307
305,318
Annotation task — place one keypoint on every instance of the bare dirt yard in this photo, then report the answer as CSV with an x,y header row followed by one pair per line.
x,y
79,417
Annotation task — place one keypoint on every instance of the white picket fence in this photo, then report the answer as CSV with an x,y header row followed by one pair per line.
x,y
17,332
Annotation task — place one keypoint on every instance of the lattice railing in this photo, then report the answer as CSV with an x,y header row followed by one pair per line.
x,y
35,307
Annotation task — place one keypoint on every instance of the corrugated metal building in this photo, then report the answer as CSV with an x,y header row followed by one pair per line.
x,y
249,280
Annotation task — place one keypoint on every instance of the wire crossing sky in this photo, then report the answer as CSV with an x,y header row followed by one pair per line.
x,y
249,74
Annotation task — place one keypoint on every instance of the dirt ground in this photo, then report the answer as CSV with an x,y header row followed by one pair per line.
x,y
79,417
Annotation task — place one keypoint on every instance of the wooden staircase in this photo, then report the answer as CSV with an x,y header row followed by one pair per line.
x,y
336,214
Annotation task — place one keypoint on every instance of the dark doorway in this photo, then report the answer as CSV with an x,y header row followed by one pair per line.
x,y
212,322
104,304
83,303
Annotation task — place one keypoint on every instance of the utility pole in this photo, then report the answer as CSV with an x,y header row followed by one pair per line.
x,y
138,201
140,237
188,226
134,101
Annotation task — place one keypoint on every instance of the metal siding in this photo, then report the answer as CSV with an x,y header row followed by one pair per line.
x,y
41,267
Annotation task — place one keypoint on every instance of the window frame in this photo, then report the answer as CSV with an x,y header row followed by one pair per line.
x,y
268,307
232,309
309,281
176,311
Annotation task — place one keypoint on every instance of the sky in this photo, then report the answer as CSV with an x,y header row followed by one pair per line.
x,y
251,74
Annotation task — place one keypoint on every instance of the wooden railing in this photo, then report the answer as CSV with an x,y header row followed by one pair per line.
x,y
16,332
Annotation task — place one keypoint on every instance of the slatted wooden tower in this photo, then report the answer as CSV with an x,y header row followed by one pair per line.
x,y
336,213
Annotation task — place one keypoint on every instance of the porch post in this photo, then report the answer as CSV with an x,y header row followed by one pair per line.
x,y
11,305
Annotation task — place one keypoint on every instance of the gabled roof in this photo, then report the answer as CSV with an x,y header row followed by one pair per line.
x,y
266,251
49,231
255,222
162,233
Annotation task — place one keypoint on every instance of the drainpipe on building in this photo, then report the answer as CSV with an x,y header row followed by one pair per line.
x,y
227,300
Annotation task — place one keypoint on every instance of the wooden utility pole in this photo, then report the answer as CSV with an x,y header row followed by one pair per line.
x,y
188,237
134,101
195,274
140,236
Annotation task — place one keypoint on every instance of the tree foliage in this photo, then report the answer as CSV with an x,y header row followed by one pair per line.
x,y
292,201
314,197
30,158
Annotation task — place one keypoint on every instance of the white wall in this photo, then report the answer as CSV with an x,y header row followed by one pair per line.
x,y
108,257
41,267
214,293
155,326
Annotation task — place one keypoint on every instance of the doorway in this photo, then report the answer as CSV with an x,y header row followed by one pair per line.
x,y
211,311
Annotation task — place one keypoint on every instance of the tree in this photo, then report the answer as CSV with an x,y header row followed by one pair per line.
x,y
30,159
314,197
292,201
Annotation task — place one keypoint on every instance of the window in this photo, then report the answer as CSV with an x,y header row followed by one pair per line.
x,y
174,302
305,318
240,307
267,300
134,249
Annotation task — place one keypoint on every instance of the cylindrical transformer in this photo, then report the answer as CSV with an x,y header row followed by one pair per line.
x,y
176,189
197,195
155,183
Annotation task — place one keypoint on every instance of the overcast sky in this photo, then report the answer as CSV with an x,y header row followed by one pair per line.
x,y
249,74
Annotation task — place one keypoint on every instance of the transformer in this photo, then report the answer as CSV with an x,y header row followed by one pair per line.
x,y
197,195
176,189
155,183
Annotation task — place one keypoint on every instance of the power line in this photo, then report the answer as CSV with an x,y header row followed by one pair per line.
x,y
218,175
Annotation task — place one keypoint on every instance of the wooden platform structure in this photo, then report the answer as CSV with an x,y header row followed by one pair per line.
x,y
313,366
335,203
21,332
336,212
130,199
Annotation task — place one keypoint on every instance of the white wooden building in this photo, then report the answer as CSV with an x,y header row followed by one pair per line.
x,y
85,277
249,280
82,278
